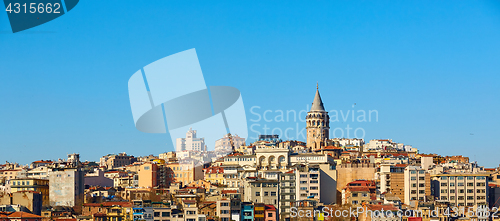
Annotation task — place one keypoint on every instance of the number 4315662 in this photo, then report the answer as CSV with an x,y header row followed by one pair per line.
x,y
33,8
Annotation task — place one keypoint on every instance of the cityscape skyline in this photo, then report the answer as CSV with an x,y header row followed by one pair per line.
x,y
429,70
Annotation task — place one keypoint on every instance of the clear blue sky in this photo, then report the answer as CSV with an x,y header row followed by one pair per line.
x,y
430,68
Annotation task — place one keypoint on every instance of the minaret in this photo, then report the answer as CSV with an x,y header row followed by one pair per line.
x,y
318,124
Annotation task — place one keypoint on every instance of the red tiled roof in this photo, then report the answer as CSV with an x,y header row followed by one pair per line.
x,y
214,170
99,214
108,204
229,191
43,161
23,215
358,188
380,207
270,207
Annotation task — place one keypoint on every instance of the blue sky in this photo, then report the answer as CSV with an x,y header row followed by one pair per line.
x,y
429,68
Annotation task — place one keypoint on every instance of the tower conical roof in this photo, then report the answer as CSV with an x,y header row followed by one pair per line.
x,y
317,104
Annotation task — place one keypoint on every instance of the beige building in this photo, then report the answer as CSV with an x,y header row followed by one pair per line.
x,y
307,183
349,172
111,161
30,184
185,172
461,189
148,175
66,187
417,184
32,200
392,180
261,191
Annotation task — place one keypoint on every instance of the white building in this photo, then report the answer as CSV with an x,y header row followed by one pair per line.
x,y
224,145
191,142
349,142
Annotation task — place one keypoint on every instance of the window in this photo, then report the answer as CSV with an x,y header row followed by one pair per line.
x,y
313,187
470,184
355,195
470,178
444,184
273,193
452,191
269,214
460,184
224,212
444,178
413,178
156,214
421,185
452,184
165,214
257,193
224,204
266,193
413,172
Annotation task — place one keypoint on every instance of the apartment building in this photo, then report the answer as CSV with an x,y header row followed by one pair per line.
x,y
392,179
191,142
214,175
111,161
148,176
30,184
359,191
224,209
185,172
307,183
224,144
261,191
287,193
461,189
66,187
417,184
